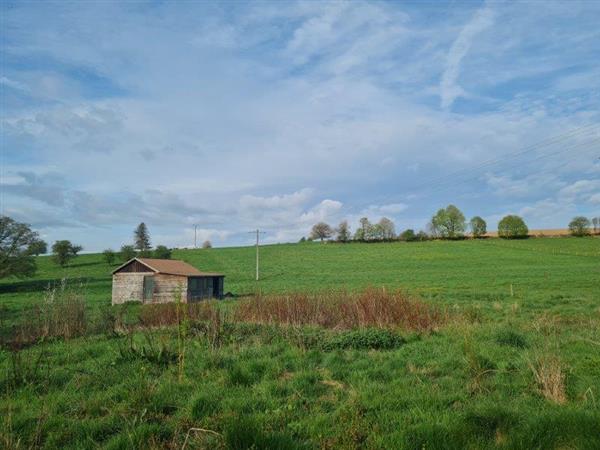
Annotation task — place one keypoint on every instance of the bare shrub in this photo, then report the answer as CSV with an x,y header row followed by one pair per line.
x,y
60,314
373,308
165,314
549,377
63,311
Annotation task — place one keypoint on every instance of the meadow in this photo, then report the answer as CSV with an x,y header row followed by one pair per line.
x,y
502,351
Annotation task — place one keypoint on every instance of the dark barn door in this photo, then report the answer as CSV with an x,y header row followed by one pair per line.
x,y
203,287
148,288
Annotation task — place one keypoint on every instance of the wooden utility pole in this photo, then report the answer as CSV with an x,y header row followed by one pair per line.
x,y
258,233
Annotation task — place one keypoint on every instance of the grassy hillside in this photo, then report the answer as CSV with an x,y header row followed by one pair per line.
x,y
496,371
547,273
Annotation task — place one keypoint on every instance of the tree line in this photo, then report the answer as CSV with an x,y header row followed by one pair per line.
x,y
141,247
19,245
446,223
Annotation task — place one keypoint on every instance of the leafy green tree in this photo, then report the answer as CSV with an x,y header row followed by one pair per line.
x,y
141,239
365,230
162,252
128,252
321,231
375,233
207,244
449,222
302,240
109,256
579,226
38,247
408,235
63,251
343,232
478,227
16,241
423,236
512,227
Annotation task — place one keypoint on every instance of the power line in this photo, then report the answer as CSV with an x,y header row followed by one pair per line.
x,y
449,179
451,183
509,156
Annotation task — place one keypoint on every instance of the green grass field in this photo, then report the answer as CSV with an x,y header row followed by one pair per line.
x,y
516,369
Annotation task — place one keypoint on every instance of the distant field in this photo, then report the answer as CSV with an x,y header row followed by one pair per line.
x,y
550,232
516,364
459,271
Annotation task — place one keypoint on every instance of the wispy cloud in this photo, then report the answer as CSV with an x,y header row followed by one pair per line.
x,y
450,90
252,115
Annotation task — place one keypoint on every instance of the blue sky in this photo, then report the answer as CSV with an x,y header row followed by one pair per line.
x,y
277,115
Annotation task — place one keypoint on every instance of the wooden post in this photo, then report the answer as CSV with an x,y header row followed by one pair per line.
x,y
257,254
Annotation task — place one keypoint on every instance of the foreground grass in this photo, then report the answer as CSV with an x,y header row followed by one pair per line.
x,y
505,371
467,386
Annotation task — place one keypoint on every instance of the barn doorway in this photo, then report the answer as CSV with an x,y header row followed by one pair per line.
x,y
148,288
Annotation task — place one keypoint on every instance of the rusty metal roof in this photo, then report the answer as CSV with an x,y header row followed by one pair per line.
x,y
171,267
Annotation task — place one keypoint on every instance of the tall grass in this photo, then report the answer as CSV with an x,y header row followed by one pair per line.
x,y
373,308
549,376
61,313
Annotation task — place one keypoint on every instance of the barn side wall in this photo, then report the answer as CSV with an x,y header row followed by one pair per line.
x,y
128,286
167,287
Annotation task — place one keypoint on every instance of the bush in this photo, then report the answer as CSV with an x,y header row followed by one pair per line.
x,y
109,256
512,227
366,339
162,252
580,226
478,226
408,235
128,252
422,236
511,338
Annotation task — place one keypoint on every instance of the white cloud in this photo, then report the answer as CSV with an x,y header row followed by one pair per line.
x,y
594,199
5,81
295,200
325,211
528,186
580,187
222,116
449,89
378,211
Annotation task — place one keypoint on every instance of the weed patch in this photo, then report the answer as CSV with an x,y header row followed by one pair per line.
x,y
549,375
511,338
373,308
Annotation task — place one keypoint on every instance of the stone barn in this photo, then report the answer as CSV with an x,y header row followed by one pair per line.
x,y
149,280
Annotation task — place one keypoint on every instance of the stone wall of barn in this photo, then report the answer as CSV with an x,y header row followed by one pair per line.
x,y
168,287
128,287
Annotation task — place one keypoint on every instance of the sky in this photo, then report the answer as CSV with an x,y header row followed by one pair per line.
x,y
234,116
